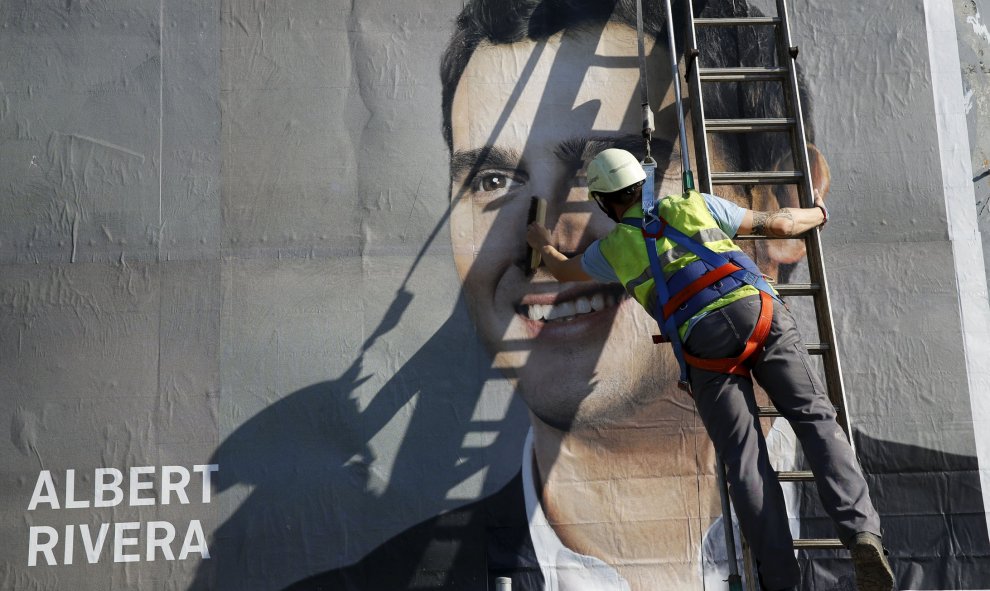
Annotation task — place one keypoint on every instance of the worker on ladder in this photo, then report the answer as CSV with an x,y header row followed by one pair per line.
x,y
727,326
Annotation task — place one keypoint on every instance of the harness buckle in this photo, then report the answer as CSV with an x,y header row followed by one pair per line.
x,y
658,233
659,339
685,386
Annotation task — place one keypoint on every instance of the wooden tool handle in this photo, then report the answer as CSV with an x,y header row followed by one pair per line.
x,y
537,213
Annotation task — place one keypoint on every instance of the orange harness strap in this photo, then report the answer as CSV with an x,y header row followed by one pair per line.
x,y
754,345
691,289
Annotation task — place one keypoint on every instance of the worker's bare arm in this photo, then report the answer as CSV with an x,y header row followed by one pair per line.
x,y
783,223
562,267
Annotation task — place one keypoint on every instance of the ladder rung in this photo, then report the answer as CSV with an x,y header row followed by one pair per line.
x,y
749,125
795,476
738,21
749,74
819,544
771,411
776,177
797,289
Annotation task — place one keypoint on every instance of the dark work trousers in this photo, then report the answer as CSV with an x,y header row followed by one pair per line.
x,y
728,409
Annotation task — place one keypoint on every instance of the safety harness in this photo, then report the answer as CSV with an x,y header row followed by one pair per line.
x,y
712,276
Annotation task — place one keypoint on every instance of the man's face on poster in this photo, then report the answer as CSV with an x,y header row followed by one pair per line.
x,y
526,119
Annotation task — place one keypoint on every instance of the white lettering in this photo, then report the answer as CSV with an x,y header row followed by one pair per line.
x,y
195,531
179,488
120,540
93,550
158,537
163,543
206,470
34,546
102,487
69,543
70,492
111,487
159,540
137,485
48,496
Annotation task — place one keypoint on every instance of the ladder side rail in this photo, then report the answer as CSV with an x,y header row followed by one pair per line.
x,y
816,263
702,156
802,178
703,165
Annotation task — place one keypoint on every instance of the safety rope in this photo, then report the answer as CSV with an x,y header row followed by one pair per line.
x,y
648,163
644,89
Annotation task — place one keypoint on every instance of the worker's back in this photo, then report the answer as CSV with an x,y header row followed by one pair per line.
x,y
625,249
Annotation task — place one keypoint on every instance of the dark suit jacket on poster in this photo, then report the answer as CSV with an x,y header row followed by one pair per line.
x,y
932,514
931,506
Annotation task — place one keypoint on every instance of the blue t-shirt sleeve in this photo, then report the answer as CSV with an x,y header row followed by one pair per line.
x,y
727,214
594,264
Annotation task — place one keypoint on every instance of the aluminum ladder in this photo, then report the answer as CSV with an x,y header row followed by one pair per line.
x,y
783,73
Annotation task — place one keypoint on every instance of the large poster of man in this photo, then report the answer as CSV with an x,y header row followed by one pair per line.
x,y
267,322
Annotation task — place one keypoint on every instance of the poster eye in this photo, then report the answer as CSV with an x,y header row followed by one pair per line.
x,y
495,181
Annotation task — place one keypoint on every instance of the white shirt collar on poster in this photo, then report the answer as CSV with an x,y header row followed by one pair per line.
x,y
566,570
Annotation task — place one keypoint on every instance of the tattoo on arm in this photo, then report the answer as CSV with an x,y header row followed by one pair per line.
x,y
759,222
763,223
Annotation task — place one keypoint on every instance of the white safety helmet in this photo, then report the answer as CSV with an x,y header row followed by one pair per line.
x,y
613,169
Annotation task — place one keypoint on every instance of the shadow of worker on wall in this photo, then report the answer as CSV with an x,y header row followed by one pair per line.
x,y
319,499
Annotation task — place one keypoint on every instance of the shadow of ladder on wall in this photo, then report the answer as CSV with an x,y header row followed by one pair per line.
x,y
784,73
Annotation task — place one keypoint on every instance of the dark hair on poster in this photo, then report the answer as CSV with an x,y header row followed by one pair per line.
x,y
507,21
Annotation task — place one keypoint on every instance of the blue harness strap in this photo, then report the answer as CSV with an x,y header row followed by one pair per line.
x,y
653,227
686,278
648,199
667,326
748,273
